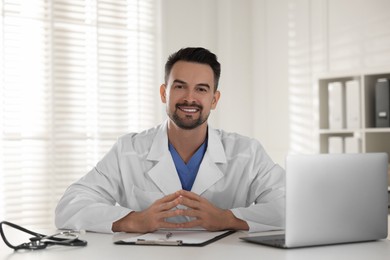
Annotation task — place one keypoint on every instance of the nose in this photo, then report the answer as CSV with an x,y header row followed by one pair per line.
x,y
190,96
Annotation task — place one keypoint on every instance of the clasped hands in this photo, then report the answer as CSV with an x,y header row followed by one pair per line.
x,y
203,213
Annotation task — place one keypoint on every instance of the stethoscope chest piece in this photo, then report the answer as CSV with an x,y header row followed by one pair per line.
x,y
35,243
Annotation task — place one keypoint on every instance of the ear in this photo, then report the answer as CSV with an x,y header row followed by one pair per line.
x,y
216,97
163,93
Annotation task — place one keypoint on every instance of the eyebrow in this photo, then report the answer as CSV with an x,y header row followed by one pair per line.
x,y
185,83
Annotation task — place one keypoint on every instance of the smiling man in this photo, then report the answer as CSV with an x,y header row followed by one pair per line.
x,y
182,173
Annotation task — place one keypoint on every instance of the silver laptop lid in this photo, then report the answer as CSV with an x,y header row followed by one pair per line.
x,y
336,198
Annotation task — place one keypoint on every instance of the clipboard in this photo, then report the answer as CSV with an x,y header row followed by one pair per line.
x,y
196,238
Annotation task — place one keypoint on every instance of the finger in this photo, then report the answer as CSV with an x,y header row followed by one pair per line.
x,y
190,195
168,198
170,214
166,203
169,205
163,223
190,203
192,224
170,225
191,213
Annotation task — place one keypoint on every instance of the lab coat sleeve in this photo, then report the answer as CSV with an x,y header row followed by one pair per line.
x,y
90,203
267,212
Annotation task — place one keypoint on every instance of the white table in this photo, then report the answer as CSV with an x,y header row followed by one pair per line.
x,y
100,246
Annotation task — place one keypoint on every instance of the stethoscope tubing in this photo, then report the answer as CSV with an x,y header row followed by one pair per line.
x,y
40,241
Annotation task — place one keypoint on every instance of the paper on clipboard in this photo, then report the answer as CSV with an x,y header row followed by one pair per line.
x,y
175,238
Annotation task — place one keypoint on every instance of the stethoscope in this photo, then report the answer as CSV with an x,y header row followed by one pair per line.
x,y
40,241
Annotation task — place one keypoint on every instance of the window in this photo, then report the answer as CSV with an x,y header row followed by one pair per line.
x,y
75,75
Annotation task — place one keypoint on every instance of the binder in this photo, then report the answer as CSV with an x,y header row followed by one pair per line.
x,y
176,238
352,144
335,144
382,103
352,91
336,105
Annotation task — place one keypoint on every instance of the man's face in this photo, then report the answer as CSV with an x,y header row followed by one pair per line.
x,y
189,94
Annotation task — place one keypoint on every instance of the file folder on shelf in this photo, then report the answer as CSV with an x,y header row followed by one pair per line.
x,y
335,144
336,105
382,103
352,144
352,89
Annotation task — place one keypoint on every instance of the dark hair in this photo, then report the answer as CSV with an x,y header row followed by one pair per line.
x,y
198,55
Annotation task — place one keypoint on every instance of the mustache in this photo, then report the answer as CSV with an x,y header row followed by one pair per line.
x,y
186,104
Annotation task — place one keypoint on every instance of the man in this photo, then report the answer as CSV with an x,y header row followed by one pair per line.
x,y
183,173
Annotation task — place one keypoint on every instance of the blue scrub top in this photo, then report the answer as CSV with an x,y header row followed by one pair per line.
x,y
187,172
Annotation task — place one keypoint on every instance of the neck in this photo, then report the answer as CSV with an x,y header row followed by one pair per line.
x,y
186,142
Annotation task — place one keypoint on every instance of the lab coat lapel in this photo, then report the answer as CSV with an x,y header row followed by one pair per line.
x,y
163,174
209,173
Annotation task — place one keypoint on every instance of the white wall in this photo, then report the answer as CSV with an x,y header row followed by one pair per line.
x,y
271,53
328,37
270,74
250,39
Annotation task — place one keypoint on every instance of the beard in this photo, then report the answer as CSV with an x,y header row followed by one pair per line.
x,y
188,122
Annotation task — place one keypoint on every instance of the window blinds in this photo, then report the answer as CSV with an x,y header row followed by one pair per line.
x,y
75,75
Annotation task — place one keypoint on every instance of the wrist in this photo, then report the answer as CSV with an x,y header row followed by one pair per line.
x,y
235,223
123,224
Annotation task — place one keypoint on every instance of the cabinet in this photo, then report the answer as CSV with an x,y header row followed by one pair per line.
x,y
372,139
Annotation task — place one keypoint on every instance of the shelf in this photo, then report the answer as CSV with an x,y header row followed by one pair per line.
x,y
340,131
354,131
377,142
370,138
377,130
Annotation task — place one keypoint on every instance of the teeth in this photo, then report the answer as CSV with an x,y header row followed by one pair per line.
x,y
189,110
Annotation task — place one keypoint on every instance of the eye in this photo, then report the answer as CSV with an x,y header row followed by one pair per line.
x,y
202,89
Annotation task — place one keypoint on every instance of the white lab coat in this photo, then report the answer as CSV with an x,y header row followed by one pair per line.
x,y
235,173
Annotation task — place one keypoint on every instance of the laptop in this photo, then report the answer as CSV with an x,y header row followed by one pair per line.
x,y
332,199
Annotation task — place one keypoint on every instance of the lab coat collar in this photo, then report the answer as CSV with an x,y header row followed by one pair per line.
x,y
209,173
164,173
215,147
160,143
